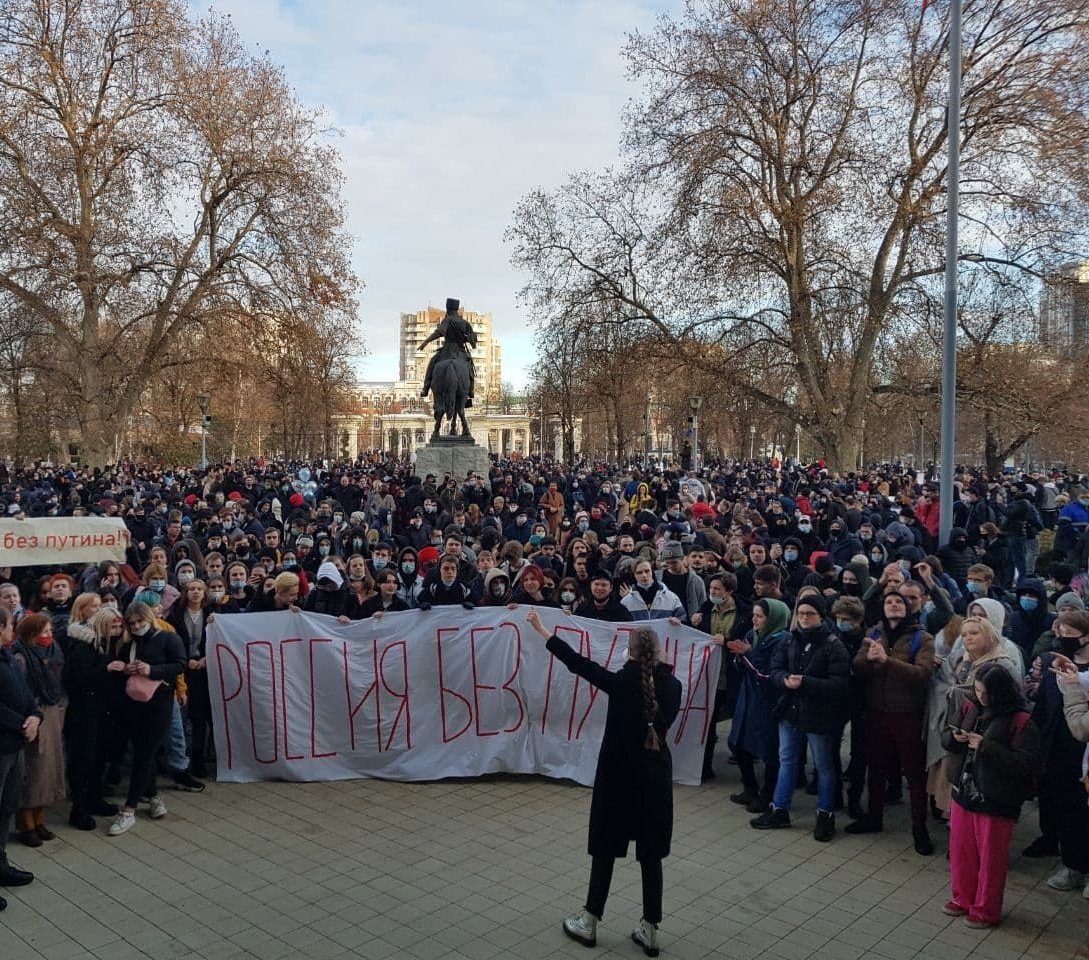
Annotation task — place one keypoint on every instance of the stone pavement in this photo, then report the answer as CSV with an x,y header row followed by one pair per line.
x,y
488,868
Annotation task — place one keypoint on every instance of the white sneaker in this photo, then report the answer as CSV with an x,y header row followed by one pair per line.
x,y
1085,890
646,936
1065,879
582,927
125,820
156,808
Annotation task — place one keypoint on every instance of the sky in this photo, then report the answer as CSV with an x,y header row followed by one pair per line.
x,y
449,113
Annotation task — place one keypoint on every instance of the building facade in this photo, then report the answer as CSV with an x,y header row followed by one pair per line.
x,y
1064,312
391,417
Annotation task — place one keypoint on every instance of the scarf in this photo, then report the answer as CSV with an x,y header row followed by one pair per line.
x,y
43,672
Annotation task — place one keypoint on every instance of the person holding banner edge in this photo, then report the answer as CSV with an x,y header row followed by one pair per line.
x,y
633,784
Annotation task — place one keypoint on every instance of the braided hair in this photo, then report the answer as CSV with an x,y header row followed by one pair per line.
x,y
644,650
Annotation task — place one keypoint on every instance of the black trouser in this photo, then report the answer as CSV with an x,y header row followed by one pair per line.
x,y
11,795
712,731
601,877
746,763
1069,818
147,725
86,740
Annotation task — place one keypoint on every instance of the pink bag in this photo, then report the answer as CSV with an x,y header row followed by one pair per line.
x,y
140,689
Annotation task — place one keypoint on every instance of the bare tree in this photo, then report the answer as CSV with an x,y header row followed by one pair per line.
x,y
154,177
784,190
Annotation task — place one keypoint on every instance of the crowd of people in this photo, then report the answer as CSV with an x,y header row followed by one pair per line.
x,y
858,652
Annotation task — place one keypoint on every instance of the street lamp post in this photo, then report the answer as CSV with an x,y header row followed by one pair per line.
x,y
203,400
694,404
798,442
752,441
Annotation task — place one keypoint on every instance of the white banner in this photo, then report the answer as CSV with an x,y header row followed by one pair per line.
x,y
52,541
426,695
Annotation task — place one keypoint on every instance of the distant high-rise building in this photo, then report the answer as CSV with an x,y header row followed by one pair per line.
x,y
1064,312
487,355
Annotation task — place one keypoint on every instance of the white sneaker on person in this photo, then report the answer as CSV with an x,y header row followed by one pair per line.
x,y
125,820
156,808
582,927
646,936
1065,879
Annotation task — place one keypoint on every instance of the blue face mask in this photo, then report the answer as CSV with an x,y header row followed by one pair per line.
x,y
790,555
975,588
1028,603
844,626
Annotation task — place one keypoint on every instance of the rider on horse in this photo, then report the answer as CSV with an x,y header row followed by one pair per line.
x,y
459,336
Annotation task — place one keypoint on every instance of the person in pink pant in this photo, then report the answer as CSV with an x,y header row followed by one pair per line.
x,y
993,748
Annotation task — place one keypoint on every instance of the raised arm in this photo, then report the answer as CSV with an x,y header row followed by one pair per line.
x,y
590,671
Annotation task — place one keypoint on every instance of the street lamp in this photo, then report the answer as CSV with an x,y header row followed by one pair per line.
x,y
694,405
203,400
752,441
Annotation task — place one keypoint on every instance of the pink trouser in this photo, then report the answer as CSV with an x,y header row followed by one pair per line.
x,y
979,854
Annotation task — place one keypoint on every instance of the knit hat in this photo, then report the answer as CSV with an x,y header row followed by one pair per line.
x,y
305,541
810,600
328,571
150,597
1070,599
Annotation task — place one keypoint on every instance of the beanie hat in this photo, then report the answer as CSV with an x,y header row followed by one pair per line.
x,y
810,600
328,571
1070,599
150,597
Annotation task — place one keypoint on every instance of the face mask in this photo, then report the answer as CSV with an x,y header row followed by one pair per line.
x,y
357,544
157,585
338,518
430,508
738,564
408,567
228,524
323,550
865,537
216,595
844,626
974,588
716,601
805,527
379,563
291,564
837,531
567,596
45,640
852,589
790,555
876,557
242,551
448,583
1084,501
238,586
521,521
140,631
1028,603
535,540
184,578
584,525
1069,645
499,588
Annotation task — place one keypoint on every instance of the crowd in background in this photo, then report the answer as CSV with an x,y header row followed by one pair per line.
x,y
854,644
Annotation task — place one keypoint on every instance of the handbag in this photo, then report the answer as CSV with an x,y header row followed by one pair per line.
x,y
968,792
140,689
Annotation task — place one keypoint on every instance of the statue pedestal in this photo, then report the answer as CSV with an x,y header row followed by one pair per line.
x,y
456,456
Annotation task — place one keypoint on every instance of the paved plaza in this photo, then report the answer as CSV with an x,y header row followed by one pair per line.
x,y
487,868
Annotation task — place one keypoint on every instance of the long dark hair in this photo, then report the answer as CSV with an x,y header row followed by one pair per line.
x,y
644,643
1003,692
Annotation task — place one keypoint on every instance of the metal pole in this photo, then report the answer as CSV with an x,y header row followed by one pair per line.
x,y
203,447
949,339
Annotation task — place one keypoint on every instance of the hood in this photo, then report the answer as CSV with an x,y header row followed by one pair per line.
x,y
957,533
995,612
1035,587
494,574
900,533
778,617
862,572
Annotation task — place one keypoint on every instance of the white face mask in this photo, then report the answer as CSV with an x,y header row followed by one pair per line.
x,y
567,596
140,631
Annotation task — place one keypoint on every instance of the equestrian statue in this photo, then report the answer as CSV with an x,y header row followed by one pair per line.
x,y
451,376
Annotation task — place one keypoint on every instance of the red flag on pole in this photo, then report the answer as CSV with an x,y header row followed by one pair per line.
x,y
926,3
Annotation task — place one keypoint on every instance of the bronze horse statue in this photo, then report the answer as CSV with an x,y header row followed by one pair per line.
x,y
450,374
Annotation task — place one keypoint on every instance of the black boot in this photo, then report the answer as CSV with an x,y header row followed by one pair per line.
x,y
854,808
771,819
825,828
80,819
744,798
759,803
864,825
1042,847
924,846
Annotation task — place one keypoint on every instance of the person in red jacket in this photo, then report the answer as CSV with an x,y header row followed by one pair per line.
x,y
927,512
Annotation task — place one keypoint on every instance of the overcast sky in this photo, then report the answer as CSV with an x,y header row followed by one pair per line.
x,y
451,111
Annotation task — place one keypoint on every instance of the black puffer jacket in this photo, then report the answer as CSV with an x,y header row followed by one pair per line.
x,y
1004,761
822,702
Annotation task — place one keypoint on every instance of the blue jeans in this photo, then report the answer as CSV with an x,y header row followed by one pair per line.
x,y
177,760
1018,555
823,748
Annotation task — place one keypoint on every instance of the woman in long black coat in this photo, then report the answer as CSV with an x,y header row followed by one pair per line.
x,y
633,785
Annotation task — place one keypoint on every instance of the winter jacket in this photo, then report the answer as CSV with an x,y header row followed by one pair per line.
x,y
822,702
957,556
695,591
16,703
1027,626
663,603
1005,759
899,685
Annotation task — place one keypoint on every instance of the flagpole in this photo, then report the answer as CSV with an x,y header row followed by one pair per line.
x,y
949,337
